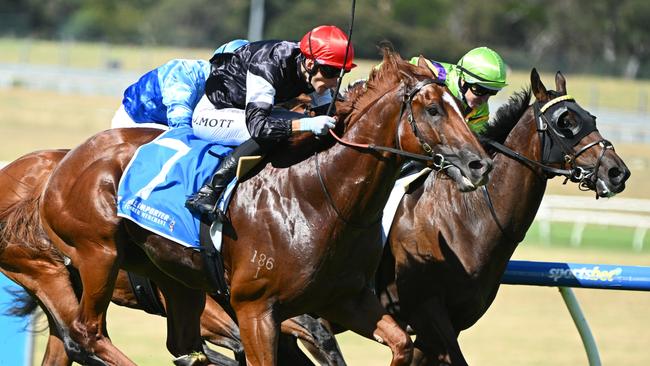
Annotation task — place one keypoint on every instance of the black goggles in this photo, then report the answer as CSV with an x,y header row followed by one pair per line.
x,y
480,91
329,72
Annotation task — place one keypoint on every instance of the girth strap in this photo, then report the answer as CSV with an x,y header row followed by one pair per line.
x,y
213,261
146,294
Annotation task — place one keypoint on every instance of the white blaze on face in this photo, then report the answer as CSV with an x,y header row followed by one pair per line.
x,y
451,100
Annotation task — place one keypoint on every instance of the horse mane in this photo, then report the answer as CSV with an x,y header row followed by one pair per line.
x,y
360,96
507,116
20,224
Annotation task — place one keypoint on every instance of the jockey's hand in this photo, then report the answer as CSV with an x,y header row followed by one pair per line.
x,y
319,125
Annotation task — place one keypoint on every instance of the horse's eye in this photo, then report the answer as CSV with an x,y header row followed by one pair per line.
x,y
433,110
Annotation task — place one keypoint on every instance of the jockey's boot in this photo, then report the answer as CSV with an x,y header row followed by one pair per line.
x,y
204,201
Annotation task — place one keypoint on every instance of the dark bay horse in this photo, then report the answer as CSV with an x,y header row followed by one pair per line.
x,y
293,244
447,251
28,258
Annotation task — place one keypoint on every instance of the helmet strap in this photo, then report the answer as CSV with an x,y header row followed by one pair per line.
x,y
310,71
463,87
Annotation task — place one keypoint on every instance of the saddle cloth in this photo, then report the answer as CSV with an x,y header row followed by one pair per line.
x,y
401,187
160,177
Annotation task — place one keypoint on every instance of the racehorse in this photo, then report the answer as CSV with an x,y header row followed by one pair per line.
x,y
447,251
28,258
292,244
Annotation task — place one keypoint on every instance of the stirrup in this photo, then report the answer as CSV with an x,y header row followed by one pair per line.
x,y
218,214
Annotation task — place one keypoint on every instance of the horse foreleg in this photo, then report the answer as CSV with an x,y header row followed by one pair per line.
x,y
290,354
218,328
316,337
259,332
437,340
184,308
364,315
55,352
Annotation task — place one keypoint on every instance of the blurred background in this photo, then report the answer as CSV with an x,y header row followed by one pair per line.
x,y
65,63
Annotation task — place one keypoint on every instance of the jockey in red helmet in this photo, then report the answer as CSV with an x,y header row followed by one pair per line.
x,y
243,87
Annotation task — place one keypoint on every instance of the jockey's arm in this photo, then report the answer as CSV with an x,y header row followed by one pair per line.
x,y
182,84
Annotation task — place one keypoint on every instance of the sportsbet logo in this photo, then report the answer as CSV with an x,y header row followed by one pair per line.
x,y
584,273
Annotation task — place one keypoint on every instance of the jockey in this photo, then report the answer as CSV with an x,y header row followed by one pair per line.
x,y
476,77
244,86
166,96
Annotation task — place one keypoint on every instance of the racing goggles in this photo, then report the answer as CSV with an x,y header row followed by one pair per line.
x,y
329,72
480,91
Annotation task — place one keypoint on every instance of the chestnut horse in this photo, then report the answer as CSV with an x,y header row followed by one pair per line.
x,y
447,251
293,244
28,258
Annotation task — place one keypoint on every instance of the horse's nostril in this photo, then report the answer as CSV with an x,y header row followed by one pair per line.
x,y
475,164
614,172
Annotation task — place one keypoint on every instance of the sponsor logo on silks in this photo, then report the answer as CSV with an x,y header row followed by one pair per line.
x,y
584,273
148,213
213,122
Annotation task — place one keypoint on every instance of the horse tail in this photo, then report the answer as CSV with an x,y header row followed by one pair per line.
x,y
20,225
23,304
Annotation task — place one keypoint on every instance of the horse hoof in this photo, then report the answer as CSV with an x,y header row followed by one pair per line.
x,y
192,359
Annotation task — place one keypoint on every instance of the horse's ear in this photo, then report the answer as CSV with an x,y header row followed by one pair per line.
x,y
422,62
538,87
560,83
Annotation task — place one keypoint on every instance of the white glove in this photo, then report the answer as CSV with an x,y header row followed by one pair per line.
x,y
319,125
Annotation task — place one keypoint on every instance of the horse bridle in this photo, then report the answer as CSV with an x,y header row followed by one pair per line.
x,y
557,147
436,160
558,142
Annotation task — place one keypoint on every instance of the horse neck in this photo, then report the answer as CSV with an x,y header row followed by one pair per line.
x,y
515,190
521,186
360,180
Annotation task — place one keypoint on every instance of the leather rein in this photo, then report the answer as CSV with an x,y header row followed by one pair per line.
x,y
435,160
585,177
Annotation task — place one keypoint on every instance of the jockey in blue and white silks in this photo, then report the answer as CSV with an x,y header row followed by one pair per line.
x,y
166,96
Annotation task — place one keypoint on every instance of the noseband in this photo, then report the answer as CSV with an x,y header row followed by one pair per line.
x,y
436,160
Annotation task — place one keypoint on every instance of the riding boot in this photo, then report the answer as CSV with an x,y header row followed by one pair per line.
x,y
204,201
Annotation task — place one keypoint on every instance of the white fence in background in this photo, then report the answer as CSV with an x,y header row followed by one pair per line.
x,y
582,211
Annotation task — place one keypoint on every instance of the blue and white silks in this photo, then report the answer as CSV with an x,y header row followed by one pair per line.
x,y
168,94
160,177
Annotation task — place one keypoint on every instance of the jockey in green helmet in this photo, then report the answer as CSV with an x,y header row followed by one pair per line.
x,y
479,74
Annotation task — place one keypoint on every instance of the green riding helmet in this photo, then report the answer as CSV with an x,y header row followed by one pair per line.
x,y
483,66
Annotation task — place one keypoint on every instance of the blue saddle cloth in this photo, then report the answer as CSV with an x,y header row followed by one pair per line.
x,y
160,177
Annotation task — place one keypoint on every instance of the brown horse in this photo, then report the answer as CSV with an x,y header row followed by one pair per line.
x,y
447,251
28,258
292,246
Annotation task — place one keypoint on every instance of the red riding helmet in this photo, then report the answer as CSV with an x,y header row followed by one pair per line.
x,y
326,44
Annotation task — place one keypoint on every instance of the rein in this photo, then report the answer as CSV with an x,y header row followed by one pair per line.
x,y
545,127
437,161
